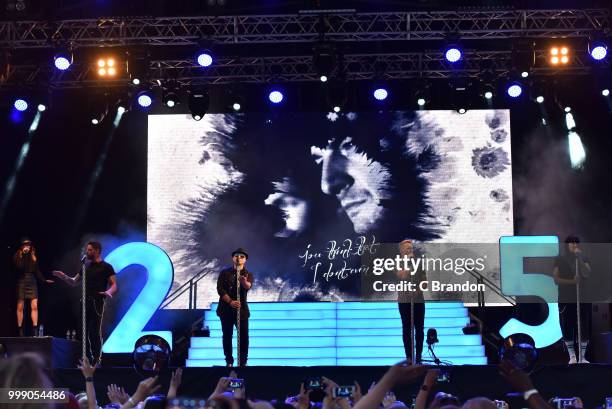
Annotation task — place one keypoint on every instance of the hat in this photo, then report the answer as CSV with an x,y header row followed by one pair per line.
x,y
25,240
240,250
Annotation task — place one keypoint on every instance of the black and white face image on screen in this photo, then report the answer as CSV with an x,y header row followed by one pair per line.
x,y
305,193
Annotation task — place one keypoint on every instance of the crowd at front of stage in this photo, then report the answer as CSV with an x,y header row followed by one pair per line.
x,y
28,371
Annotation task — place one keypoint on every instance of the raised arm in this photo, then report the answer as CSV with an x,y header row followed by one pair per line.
x,y
71,281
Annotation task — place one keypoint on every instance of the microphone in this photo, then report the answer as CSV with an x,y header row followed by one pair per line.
x,y
83,258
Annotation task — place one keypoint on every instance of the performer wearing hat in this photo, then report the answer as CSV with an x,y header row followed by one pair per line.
x,y
26,266
229,304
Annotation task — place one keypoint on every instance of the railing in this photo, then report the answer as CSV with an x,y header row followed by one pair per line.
x,y
480,279
191,286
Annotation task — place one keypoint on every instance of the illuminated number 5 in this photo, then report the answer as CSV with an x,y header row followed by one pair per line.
x,y
160,275
515,282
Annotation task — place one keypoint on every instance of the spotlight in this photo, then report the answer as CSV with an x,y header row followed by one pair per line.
x,y
598,51
520,350
559,55
488,95
107,67
42,107
199,102
20,105
205,58
170,99
380,94
605,92
336,109
514,90
136,81
462,110
567,109
145,99
236,106
524,74
452,54
151,355
95,121
540,99
62,61
421,102
120,109
324,59
276,97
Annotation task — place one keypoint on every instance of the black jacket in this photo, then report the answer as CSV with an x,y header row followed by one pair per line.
x,y
226,284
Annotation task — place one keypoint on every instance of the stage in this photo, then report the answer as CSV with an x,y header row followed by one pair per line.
x,y
591,382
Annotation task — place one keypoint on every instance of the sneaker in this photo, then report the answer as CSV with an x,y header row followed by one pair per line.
x,y
572,360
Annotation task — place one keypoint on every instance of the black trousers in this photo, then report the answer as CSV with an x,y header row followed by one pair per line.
x,y
93,328
569,321
419,323
228,322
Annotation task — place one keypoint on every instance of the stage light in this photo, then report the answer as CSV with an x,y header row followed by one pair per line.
x,y
323,78
598,51
520,350
539,99
514,90
380,94
170,99
452,54
567,109
145,99
120,110
42,107
236,106
524,74
62,61
205,58
605,92
336,109
276,97
462,111
95,121
20,105
324,59
559,55
488,95
151,355
421,102
198,103
136,81
107,67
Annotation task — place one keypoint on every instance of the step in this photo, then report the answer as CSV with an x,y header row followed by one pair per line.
x,y
305,332
330,352
332,306
327,361
326,341
343,314
255,323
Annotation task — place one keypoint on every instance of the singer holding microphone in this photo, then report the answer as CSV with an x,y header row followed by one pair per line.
x,y
100,284
571,270
233,305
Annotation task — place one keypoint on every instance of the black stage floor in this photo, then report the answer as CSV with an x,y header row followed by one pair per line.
x,y
591,382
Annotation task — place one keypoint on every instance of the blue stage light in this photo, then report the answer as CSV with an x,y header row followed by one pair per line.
x,y
599,51
452,54
145,99
381,94
514,90
62,62
20,105
276,97
205,59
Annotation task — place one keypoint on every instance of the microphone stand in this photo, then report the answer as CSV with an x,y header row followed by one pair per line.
x,y
412,332
83,311
578,312
238,314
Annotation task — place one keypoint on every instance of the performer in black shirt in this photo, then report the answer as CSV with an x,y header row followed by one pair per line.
x,y
404,298
26,267
567,277
228,305
98,275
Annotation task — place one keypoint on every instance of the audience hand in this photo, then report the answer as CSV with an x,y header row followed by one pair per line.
x,y
515,377
145,389
303,401
116,394
175,382
86,368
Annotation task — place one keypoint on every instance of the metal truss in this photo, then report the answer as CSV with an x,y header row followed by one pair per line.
x,y
297,28
287,69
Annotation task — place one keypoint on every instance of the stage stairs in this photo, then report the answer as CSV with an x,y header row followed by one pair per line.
x,y
337,334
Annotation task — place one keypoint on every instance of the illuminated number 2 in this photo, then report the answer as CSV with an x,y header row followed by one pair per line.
x,y
515,282
160,274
